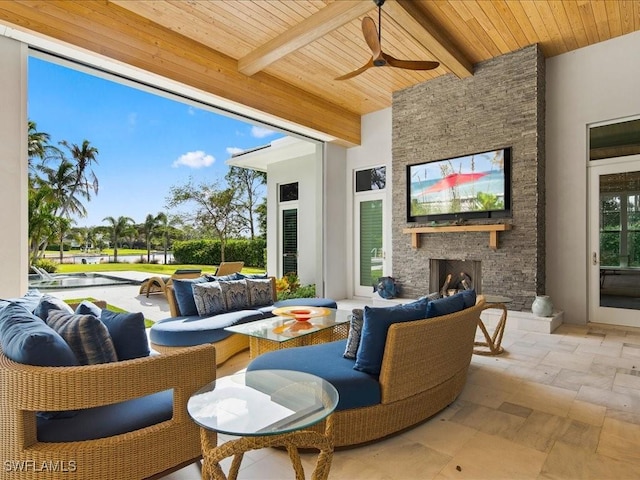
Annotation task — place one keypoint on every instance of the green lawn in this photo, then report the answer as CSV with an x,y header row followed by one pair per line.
x,y
113,308
153,268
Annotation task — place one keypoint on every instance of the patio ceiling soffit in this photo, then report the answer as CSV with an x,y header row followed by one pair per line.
x,y
117,33
337,14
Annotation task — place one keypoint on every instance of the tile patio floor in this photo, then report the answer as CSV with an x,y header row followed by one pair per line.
x,y
554,406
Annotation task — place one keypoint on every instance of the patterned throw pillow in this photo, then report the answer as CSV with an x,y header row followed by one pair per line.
x,y
355,330
260,292
209,298
236,295
87,336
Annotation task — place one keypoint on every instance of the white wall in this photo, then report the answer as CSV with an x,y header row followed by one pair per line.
x,y
14,256
596,83
375,150
303,170
335,211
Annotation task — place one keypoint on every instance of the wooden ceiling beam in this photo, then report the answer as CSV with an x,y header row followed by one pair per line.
x,y
412,18
326,20
117,33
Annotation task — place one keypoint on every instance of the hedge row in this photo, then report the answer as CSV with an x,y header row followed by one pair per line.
x,y
207,252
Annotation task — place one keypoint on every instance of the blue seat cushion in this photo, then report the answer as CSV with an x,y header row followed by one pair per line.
x,y
108,420
307,302
194,330
355,388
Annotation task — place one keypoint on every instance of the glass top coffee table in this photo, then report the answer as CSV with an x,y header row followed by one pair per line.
x,y
265,408
284,331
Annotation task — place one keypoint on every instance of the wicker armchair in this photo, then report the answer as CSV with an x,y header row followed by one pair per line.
x,y
145,453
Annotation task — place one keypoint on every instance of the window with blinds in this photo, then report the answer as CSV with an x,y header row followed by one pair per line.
x,y
290,241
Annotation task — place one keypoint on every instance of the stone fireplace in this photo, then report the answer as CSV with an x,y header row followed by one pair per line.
x,y
448,274
501,105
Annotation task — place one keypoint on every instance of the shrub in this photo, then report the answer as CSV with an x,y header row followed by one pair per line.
x,y
47,265
207,252
289,287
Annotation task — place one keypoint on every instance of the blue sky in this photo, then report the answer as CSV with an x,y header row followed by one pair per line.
x,y
146,143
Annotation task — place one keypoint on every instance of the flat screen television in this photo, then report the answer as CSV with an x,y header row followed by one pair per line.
x,y
467,187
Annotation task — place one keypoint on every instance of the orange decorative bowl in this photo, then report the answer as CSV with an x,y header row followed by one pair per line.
x,y
301,314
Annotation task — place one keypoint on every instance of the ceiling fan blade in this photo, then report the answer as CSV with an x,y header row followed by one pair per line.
x,y
371,36
366,66
409,64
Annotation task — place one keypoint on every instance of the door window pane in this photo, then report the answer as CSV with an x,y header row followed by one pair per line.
x,y
371,179
289,192
614,140
371,254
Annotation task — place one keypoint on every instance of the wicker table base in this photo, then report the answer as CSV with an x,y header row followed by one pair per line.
x,y
258,346
212,453
492,343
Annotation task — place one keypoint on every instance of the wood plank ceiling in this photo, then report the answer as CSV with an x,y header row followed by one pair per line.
x,y
282,56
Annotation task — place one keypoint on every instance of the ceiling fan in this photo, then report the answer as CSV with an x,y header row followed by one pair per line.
x,y
379,58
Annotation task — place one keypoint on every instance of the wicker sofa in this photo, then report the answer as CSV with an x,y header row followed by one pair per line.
x,y
424,368
141,401
186,328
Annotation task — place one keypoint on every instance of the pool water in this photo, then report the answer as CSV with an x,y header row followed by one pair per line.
x,y
76,280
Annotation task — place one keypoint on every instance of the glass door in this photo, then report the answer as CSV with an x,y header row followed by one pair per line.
x,y
370,252
614,240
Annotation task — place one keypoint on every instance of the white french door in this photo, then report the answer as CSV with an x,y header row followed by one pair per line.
x,y
370,256
614,241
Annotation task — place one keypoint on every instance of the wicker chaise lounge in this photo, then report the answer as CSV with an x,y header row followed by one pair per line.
x,y
159,284
424,369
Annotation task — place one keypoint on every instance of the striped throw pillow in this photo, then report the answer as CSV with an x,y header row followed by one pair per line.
x,y
87,336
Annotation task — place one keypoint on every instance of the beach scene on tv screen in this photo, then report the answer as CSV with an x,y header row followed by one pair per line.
x,y
474,183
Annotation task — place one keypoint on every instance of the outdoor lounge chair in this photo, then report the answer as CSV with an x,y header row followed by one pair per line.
x,y
159,284
227,268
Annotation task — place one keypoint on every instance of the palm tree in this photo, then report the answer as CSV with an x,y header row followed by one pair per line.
x,y
38,146
119,227
62,226
63,181
150,224
167,225
85,179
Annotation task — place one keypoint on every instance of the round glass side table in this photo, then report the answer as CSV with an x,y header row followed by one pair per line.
x,y
265,408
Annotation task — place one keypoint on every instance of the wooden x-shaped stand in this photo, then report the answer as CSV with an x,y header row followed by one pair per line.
x,y
213,454
491,345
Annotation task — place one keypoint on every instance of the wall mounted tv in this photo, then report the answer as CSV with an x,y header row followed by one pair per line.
x,y
467,187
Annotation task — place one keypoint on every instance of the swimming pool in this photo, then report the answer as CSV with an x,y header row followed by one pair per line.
x,y
76,280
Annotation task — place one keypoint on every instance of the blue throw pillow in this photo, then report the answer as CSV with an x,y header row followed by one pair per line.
x,y
88,308
25,338
445,305
223,278
183,290
251,275
128,333
469,298
29,300
47,303
374,332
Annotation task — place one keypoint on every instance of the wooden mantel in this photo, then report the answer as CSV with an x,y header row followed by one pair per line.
x,y
493,230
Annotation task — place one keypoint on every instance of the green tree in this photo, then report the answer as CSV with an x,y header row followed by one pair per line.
x,y
151,223
85,179
41,220
39,147
248,185
118,227
62,227
214,209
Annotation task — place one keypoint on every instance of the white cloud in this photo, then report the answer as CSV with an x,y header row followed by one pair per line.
x,y
234,150
261,132
132,119
191,111
197,159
